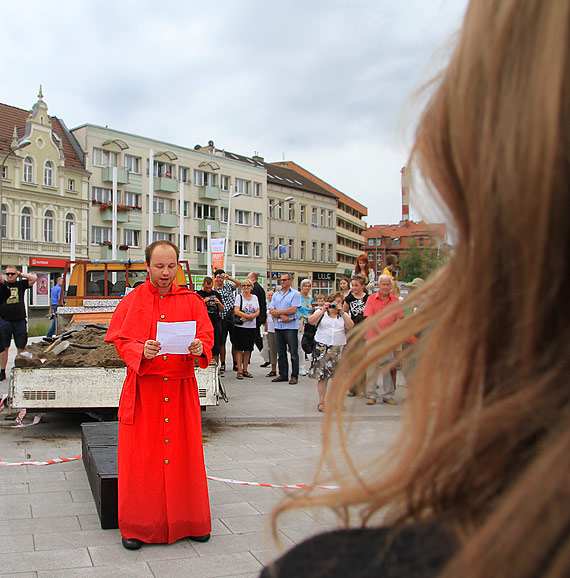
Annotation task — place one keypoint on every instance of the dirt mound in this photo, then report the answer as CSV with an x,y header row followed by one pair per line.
x,y
103,355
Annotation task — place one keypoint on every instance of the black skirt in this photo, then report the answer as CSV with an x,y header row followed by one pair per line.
x,y
244,338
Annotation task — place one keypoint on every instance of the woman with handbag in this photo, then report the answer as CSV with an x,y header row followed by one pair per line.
x,y
330,340
246,309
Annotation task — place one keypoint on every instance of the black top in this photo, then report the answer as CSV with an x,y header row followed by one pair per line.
x,y
213,310
259,292
356,306
12,306
415,551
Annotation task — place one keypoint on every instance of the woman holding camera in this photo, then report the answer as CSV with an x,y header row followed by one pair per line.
x,y
247,309
330,340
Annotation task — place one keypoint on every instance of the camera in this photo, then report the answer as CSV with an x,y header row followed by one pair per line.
x,y
332,306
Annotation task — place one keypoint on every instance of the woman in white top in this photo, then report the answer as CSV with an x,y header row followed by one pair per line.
x,y
246,308
330,339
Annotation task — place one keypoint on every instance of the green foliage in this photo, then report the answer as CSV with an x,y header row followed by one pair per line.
x,y
39,328
418,262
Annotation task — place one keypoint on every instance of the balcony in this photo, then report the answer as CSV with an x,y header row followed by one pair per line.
x,y
107,215
202,259
203,225
208,192
122,176
166,220
165,185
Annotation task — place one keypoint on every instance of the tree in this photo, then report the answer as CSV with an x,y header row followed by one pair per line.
x,y
418,263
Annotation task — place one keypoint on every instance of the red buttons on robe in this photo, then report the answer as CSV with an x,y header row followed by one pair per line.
x,y
166,420
165,399
166,441
162,316
164,357
166,461
166,379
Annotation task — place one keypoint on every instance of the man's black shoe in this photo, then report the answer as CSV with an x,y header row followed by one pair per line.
x,y
266,364
132,544
48,339
2,374
199,538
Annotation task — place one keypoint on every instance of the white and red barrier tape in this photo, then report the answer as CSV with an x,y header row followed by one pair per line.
x,y
3,401
212,478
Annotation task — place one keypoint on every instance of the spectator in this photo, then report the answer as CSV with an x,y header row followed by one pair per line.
x,y
303,312
13,321
476,484
330,340
363,269
344,287
215,307
270,352
226,287
285,303
354,305
246,308
259,292
391,266
377,303
55,296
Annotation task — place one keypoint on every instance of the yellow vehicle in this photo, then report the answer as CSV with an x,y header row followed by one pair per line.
x,y
108,280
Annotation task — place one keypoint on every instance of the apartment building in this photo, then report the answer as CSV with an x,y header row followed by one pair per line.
x,y
350,225
193,192
45,198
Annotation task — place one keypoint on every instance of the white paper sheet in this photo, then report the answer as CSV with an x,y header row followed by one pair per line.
x,y
175,338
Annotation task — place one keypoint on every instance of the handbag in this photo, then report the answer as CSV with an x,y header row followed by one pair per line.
x,y
308,339
231,317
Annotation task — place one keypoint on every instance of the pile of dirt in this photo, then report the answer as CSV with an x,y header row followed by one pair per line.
x,y
103,355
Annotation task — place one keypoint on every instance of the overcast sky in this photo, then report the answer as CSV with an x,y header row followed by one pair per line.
x,y
327,84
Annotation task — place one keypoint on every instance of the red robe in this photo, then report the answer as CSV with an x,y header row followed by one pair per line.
x,y
163,494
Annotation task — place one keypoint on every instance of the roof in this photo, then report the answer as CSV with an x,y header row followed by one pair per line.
x,y
341,196
284,176
11,116
407,229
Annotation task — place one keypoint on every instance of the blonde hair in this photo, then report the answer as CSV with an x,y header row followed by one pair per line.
x,y
486,427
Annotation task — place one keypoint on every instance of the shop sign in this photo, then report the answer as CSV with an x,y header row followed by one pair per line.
x,y
51,263
320,276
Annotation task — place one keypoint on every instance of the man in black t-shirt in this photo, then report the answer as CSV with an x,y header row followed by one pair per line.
x,y
13,312
215,308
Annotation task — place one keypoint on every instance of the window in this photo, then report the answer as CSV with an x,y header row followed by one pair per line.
x,y
257,250
242,217
378,241
165,170
371,257
225,182
257,189
70,185
48,226
132,165
242,186
102,158
184,174
282,248
241,248
323,252
4,172
100,235
26,224
303,251
131,237
291,216
303,214
224,214
186,242
331,253
3,222
395,242
156,236
371,242
291,247
200,244
322,217
159,206
204,211
69,222
186,208
48,174
101,195
28,170
421,241
202,178
257,219
330,220
314,251
132,200
314,216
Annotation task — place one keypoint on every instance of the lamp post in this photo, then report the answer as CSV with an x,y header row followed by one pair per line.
x,y
21,145
269,216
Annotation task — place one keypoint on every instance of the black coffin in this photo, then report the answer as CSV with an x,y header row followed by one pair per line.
x,y
99,449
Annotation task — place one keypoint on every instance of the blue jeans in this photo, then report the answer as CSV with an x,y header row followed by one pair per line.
x,y
287,338
52,328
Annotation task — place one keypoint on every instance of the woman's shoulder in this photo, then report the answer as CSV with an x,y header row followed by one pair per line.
x,y
415,551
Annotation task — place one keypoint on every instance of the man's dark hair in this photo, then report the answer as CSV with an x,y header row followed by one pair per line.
x,y
219,272
149,250
208,280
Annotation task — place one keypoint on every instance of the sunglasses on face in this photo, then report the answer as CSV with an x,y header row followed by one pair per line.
x,y
11,273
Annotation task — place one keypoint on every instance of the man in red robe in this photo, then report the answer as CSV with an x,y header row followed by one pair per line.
x,y
163,493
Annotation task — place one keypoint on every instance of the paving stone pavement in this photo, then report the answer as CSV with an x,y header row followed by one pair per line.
x,y
267,432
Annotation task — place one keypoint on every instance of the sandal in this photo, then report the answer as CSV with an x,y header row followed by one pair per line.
x,y
247,374
239,375
271,374
321,407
